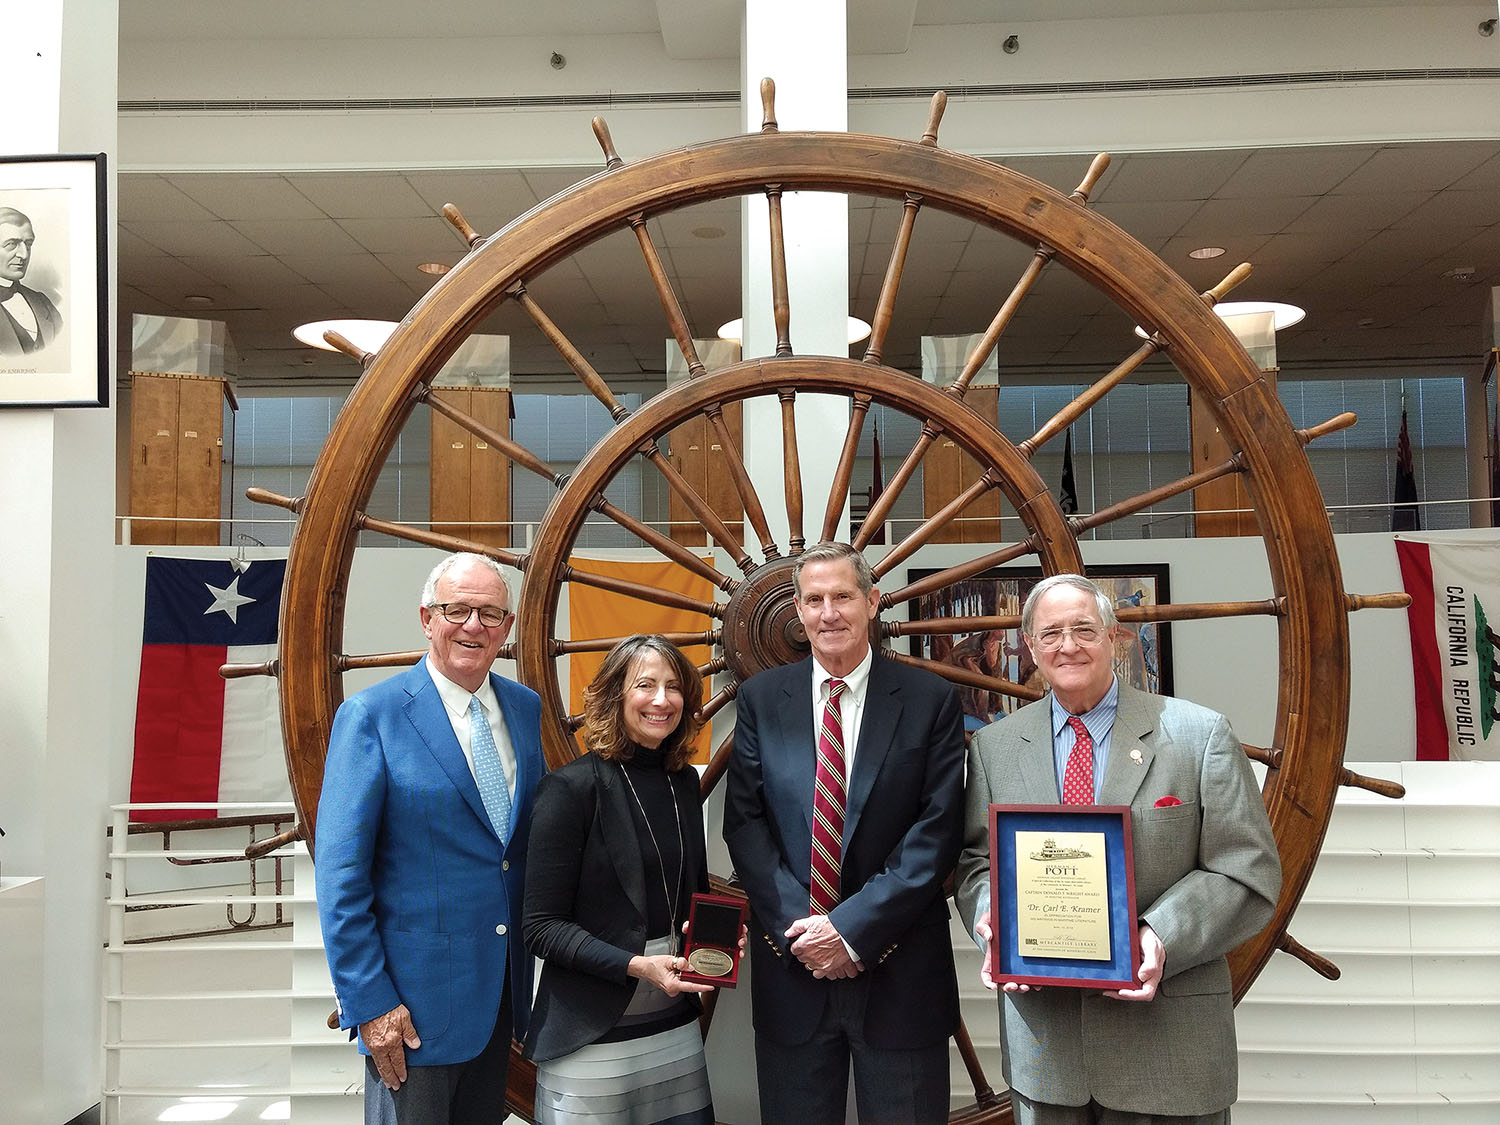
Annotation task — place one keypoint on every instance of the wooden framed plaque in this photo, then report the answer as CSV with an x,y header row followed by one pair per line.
x,y
1062,895
713,940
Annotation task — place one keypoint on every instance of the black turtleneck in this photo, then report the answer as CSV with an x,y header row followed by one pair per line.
x,y
647,772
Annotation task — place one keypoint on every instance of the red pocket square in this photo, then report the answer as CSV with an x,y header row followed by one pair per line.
x,y
1167,802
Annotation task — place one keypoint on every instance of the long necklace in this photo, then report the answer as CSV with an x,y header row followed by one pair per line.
x,y
672,901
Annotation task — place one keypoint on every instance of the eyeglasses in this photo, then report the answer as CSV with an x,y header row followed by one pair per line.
x,y
1084,636
456,613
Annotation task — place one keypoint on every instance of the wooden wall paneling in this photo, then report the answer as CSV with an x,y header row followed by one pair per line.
x,y
942,480
980,522
153,458
688,452
451,474
489,488
200,443
1224,506
719,488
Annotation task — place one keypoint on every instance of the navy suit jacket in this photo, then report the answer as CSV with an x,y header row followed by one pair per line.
x,y
419,899
903,827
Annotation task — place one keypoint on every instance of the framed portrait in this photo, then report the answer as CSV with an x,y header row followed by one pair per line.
x,y
1142,657
54,290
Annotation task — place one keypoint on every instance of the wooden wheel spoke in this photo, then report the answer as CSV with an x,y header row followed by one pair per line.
x,y
719,701
781,306
1130,506
954,674
1202,611
345,662
674,550
754,512
937,521
984,1093
641,593
363,521
960,386
1075,409
951,626
881,509
507,447
571,355
671,306
700,508
713,667
1323,429
242,671
717,764
838,491
885,305
957,573
792,473
560,647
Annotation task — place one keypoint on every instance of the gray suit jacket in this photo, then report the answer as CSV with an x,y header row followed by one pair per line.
x,y
1206,878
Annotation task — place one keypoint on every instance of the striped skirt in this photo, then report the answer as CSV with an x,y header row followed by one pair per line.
x,y
652,1080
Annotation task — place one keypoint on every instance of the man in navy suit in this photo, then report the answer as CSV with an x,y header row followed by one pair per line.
x,y
854,963
421,859
29,321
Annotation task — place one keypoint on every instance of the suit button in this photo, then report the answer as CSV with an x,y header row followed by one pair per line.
x,y
505,865
500,930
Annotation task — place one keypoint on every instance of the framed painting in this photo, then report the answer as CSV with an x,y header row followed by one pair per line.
x,y
1142,657
54,281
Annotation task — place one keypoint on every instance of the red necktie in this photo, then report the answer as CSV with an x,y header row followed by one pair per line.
x,y
828,805
1078,778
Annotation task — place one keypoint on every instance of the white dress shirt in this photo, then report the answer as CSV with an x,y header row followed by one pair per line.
x,y
456,703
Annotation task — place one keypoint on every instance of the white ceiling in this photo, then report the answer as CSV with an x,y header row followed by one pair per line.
x,y
1362,236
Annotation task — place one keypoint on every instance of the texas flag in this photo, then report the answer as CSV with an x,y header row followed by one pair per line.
x,y
199,737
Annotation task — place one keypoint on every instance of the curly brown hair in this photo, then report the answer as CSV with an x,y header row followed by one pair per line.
x,y
604,701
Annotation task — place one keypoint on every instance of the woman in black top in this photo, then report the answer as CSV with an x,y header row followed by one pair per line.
x,y
615,854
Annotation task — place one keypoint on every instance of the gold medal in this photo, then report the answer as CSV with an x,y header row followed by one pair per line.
x,y
710,962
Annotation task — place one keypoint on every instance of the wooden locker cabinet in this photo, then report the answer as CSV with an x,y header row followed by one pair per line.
x,y
177,456
470,480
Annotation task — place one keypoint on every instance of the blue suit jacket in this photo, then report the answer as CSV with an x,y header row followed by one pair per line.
x,y
902,831
419,900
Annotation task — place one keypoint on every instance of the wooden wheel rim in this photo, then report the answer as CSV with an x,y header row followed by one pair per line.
x,y
1313,695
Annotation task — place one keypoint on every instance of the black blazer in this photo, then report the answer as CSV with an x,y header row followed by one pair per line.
x,y
902,831
585,907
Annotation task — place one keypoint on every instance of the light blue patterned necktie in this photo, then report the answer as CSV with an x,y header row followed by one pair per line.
x,y
489,774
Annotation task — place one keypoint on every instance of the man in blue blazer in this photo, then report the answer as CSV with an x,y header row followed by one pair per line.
x,y
1206,878
865,973
421,858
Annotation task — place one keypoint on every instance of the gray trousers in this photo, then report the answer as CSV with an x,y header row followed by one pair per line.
x,y
1028,1112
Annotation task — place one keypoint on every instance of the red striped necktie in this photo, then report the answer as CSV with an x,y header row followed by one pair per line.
x,y
828,805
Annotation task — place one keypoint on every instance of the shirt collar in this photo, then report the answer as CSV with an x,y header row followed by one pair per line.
x,y
1103,709
456,698
854,682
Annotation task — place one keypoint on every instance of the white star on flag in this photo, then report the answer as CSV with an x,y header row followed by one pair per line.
x,y
228,600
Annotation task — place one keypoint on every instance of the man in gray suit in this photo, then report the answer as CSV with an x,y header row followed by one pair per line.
x,y
1206,878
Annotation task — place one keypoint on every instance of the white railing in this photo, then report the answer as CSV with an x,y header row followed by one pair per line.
x,y
202,993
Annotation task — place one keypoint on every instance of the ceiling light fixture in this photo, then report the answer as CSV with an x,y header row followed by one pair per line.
x,y
1283,315
197,300
368,335
436,269
1203,253
735,330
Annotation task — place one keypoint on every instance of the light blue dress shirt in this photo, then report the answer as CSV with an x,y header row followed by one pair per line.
x,y
1100,723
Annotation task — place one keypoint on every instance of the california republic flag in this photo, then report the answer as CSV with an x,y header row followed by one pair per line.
x,y
1455,640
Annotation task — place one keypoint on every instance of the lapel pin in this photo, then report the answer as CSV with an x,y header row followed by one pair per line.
x,y
1135,756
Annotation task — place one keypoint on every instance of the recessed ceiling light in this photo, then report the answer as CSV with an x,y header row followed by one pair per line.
x,y
198,300
735,330
368,335
1205,252
437,269
1460,273
708,232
